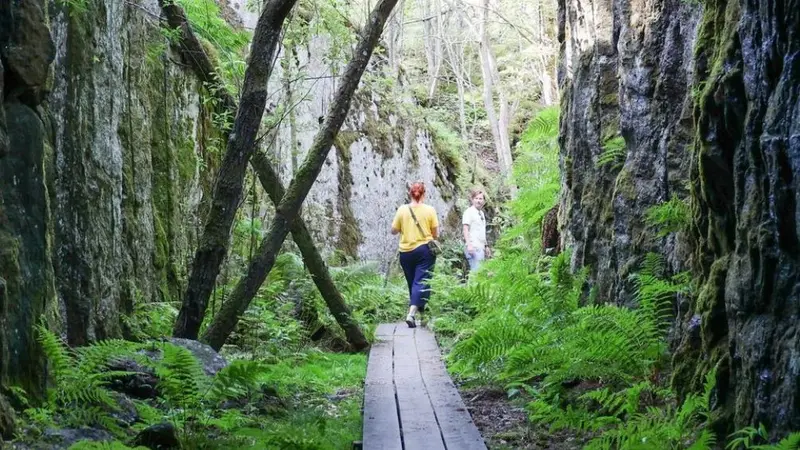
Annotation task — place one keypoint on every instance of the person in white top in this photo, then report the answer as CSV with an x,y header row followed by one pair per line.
x,y
474,225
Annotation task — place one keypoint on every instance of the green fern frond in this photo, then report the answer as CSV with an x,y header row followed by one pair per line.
x,y
96,357
613,153
669,217
706,441
181,378
238,379
543,126
56,351
791,442
653,265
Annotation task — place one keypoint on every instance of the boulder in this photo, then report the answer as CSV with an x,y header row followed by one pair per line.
x,y
141,384
211,361
66,437
126,412
161,436
27,48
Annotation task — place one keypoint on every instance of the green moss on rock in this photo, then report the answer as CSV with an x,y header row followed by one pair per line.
x,y
625,185
349,236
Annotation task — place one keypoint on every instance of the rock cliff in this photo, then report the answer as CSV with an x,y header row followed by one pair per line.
x,y
704,96
107,154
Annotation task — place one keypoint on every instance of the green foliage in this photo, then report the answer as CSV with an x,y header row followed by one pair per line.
x,y
240,379
373,298
75,6
151,320
326,19
536,173
669,427
448,145
224,44
613,153
669,217
539,331
206,20
79,393
182,381
747,437
328,394
93,445
756,438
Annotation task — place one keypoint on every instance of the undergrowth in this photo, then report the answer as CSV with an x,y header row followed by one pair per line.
x,y
530,324
310,399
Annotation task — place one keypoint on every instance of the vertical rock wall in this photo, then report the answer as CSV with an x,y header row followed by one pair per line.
x,y
705,95
26,273
626,70
129,142
744,179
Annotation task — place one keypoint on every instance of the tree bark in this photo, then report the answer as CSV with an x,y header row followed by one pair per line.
x,y
316,265
499,125
394,38
229,182
195,56
288,209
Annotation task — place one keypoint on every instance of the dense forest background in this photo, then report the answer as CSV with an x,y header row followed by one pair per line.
x,y
640,158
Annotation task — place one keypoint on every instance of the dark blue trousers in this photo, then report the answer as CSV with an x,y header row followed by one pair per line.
x,y
418,267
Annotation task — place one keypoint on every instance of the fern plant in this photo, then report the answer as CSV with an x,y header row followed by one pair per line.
x,y
667,427
669,217
751,438
613,153
79,391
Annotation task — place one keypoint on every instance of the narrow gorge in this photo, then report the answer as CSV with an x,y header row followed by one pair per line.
x,y
640,131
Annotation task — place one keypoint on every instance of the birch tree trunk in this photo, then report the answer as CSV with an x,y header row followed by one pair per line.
x,y
228,188
394,33
499,125
455,58
287,210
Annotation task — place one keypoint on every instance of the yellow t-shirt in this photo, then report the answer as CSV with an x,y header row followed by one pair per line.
x,y
410,236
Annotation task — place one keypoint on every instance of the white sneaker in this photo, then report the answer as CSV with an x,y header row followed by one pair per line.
x,y
410,321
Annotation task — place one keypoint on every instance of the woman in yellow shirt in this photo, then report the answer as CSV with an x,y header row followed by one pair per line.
x,y
417,225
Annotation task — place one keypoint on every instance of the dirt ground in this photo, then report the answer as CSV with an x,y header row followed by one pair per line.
x,y
505,425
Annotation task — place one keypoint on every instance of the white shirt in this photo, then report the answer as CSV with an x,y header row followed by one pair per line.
x,y
477,226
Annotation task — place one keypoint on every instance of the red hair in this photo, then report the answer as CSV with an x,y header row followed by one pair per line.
x,y
417,190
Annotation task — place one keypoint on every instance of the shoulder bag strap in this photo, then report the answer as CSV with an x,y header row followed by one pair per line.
x,y
416,221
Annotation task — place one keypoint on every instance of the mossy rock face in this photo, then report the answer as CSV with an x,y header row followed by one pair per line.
x,y
622,85
132,165
744,223
349,233
25,247
7,419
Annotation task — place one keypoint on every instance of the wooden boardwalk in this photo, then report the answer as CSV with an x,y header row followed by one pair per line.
x,y
410,402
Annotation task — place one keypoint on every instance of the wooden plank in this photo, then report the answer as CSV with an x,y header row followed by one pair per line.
x,y
401,329
419,427
385,330
381,428
457,428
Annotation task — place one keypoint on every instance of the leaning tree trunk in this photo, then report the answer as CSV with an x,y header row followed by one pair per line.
x,y
286,212
229,182
316,265
194,55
